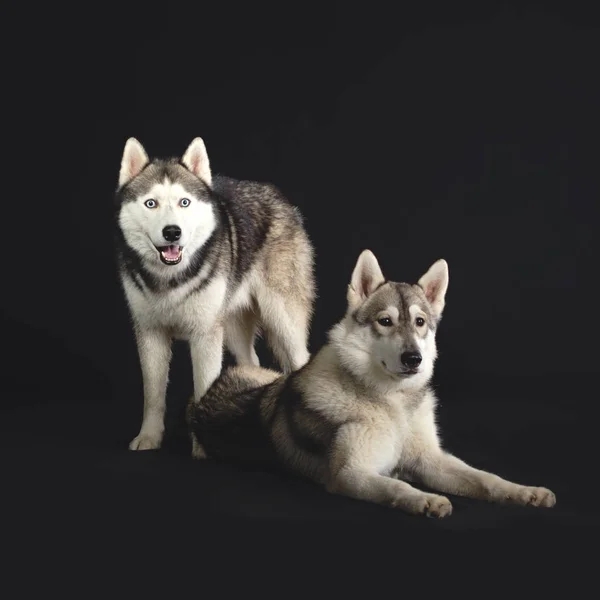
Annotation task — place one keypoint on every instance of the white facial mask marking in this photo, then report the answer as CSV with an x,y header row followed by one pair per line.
x,y
143,226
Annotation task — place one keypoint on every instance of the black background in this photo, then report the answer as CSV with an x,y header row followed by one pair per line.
x,y
463,131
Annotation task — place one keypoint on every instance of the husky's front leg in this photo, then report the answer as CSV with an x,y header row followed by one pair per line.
x,y
446,473
356,455
154,348
207,360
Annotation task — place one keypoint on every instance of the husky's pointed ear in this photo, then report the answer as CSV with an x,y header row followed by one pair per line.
x,y
133,161
366,278
435,284
196,160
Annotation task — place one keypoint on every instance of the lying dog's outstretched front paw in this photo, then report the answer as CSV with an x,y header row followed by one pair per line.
x,y
528,496
438,507
430,505
146,441
538,496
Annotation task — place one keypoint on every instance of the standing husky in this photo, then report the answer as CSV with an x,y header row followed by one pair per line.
x,y
359,418
206,259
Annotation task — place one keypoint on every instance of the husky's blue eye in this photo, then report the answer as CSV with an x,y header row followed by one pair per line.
x,y
184,202
385,322
150,203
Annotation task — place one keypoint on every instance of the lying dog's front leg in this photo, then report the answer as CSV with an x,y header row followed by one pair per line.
x,y
154,348
207,359
367,485
357,453
443,472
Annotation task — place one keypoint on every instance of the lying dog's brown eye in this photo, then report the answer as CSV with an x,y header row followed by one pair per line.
x,y
420,321
385,321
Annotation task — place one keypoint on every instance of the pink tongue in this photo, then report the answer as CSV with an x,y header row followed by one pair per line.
x,y
171,252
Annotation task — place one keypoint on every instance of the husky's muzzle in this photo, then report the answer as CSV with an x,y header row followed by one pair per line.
x,y
410,362
170,255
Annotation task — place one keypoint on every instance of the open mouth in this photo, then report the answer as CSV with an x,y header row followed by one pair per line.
x,y
170,255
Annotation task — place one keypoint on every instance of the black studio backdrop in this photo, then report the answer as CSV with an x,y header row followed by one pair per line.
x,y
467,133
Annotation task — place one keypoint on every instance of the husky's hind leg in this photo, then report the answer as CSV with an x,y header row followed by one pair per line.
x,y
286,324
240,333
286,291
198,452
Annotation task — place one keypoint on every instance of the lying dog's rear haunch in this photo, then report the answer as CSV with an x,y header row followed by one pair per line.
x,y
359,417
230,417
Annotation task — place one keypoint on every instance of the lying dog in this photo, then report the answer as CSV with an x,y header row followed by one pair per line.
x,y
359,418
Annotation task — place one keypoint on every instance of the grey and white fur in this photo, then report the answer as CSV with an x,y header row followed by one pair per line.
x,y
359,418
210,260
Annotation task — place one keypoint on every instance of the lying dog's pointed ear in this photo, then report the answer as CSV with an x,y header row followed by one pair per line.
x,y
196,160
435,284
366,278
133,161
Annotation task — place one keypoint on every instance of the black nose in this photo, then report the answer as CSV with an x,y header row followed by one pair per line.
x,y
411,359
171,233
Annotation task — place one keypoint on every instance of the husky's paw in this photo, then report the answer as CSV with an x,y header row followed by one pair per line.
x,y
431,505
146,441
437,507
198,452
532,496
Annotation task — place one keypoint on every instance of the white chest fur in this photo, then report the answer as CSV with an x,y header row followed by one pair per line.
x,y
404,430
183,310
